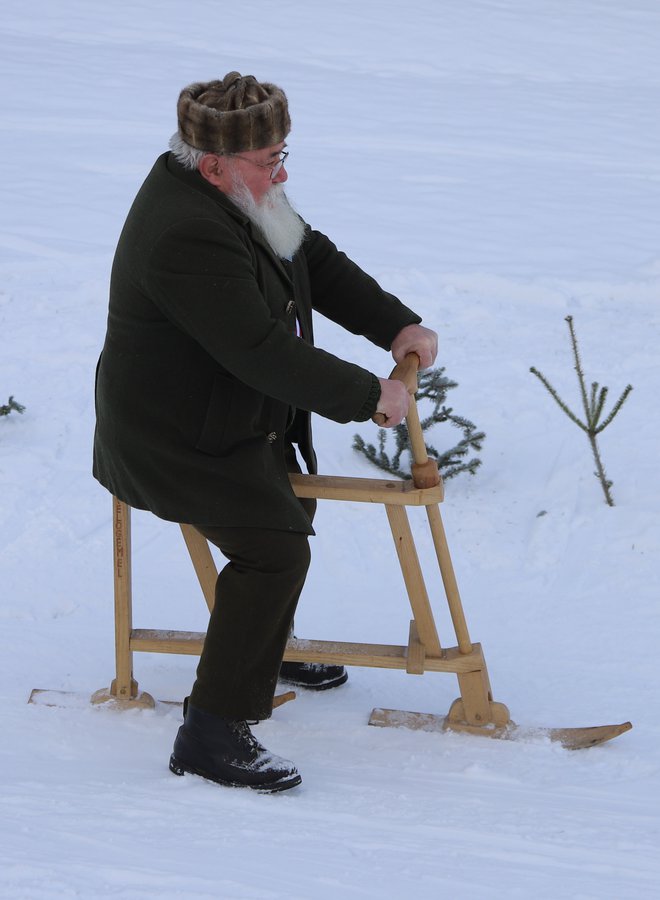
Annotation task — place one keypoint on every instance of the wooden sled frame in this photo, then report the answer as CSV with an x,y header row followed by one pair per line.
x,y
474,712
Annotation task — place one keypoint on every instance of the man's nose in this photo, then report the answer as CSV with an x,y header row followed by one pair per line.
x,y
281,176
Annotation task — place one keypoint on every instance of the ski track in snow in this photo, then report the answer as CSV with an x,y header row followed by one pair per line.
x,y
494,164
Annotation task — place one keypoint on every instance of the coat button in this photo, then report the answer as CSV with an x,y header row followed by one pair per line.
x,y
271,437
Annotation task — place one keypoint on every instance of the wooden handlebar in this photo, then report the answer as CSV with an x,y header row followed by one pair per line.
x,y
406,373
424,470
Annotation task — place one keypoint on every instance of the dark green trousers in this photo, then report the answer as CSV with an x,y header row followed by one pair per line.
x,y
255,599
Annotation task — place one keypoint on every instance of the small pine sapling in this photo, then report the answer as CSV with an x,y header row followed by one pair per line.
x,y
433,386
593,403
11,406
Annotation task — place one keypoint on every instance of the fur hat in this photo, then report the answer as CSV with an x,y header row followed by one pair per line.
x,y
233,115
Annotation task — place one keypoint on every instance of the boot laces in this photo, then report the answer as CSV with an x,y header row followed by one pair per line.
x,y
241,729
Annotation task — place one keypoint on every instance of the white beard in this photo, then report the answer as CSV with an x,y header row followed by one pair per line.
x,y
274,216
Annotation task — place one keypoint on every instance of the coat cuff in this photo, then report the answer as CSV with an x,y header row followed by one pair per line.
x,y
369,407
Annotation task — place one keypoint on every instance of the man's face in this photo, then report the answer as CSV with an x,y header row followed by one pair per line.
x,y
255,167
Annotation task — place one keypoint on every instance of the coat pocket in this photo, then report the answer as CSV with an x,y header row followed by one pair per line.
x,y
234,414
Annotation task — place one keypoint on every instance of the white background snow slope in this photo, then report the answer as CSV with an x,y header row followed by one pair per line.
x,y
495,164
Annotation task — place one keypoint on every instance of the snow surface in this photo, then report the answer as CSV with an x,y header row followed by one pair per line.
x,y
494,163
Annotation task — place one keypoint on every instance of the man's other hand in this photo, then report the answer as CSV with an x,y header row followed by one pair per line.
x,y
393,403
416,339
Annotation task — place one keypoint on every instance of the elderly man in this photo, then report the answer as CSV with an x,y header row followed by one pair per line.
x,y
205,386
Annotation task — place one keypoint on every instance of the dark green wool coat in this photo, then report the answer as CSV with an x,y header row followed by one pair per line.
x,y
202,372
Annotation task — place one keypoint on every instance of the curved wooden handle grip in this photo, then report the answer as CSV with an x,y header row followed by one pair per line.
x,y
424,470
406,373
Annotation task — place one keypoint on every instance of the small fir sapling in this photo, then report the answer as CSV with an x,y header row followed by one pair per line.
x,y
433,386
593,403
11,406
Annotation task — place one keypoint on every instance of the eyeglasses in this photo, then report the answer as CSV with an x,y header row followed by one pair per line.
x,y
275,168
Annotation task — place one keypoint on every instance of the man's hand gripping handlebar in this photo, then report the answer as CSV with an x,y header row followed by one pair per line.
x,y
396,392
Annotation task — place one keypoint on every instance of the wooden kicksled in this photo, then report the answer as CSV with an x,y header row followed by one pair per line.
x,y
474,712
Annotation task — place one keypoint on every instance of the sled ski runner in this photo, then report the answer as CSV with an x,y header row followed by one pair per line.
x,y
570,738
80,700
474,712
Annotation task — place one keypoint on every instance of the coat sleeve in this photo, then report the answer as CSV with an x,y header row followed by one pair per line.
x,y
201,275
341,291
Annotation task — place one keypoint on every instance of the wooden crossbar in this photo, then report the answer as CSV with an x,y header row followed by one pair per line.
x,y
365,490
340,653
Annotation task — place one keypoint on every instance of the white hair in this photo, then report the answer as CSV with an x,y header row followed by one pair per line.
x,y
189,156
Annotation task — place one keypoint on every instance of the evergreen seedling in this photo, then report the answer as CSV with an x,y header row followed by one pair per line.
x,y
433,386
593,404
11,406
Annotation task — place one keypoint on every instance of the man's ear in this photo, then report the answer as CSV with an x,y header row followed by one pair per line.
x,y
210,167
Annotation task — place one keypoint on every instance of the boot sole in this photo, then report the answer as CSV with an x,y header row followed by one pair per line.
x,y
283,784
321,686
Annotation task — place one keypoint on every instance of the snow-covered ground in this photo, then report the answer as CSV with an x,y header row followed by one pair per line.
x,y
494,163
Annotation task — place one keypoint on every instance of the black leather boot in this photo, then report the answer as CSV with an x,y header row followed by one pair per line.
x,y
226,751
313,676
